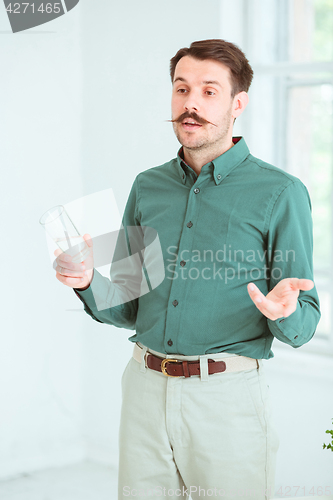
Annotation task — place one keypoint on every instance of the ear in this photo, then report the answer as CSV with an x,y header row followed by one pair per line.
x,y
241,100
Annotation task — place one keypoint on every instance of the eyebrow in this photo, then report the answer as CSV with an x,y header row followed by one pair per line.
x,y
206,82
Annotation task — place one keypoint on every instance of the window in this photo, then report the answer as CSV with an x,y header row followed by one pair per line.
x,y
290,46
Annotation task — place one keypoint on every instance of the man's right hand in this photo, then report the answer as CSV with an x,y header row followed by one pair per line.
x,y
75,275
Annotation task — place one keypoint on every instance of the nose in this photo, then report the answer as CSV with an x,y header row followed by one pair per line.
x,y
191,103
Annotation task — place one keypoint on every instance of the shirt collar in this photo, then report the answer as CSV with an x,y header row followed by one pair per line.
x,y
222,165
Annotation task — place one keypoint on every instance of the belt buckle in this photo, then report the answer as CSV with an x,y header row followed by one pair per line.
x,y
163,367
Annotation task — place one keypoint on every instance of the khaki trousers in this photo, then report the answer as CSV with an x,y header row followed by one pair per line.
x,y
199,437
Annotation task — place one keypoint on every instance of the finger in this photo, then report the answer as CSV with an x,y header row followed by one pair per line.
x,y
62,261
70,272
72,282
289,309
255,293
301,284
62,256
72,266
87,238
268,308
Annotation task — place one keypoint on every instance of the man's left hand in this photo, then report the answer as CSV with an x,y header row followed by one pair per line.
x,y
281,301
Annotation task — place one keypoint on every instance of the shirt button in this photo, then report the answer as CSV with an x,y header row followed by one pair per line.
x,y
196,190
183,176
296,337
189,224
183,263
218,176
281,321
175,303
170,342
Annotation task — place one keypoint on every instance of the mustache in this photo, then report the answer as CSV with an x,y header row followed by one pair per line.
x,y
194,116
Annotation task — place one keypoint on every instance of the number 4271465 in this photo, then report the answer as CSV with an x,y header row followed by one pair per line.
x,y
22,8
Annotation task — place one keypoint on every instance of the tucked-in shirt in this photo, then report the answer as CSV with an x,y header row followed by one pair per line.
x,y
239,221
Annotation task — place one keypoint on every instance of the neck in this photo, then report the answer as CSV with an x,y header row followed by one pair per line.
x,y
197,158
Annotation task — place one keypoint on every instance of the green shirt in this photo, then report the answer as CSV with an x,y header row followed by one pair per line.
x,y
241,220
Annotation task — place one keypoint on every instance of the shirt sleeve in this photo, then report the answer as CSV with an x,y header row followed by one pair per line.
x,y
290,252
115,301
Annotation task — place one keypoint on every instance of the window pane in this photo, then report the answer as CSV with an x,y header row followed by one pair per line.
x,y
311,30
325,298
309,156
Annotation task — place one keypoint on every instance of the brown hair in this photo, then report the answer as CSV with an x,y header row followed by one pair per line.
x,y
230,55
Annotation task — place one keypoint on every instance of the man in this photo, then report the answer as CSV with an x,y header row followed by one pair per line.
x,y
200,423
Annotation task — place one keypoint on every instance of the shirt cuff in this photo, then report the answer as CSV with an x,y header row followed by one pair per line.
x,y
289,330
87,296
100,295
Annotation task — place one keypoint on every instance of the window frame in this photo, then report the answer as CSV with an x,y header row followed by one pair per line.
x,y
285,77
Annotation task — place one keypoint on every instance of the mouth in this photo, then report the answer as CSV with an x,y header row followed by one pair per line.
x,y
189,124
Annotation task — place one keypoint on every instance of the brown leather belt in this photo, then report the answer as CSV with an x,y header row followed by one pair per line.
x,y
172,367
177,368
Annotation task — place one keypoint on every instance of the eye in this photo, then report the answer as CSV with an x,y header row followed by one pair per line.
x,y
210,92
181,91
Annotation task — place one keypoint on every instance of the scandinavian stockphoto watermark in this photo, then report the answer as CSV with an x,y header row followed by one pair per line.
x,y
134,262
185,492
227,263
25,15
237,493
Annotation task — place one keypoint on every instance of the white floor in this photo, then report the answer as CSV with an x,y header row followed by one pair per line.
x,y
84,481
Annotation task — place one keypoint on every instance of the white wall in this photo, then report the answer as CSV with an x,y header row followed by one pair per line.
x,y
41,342
301,391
